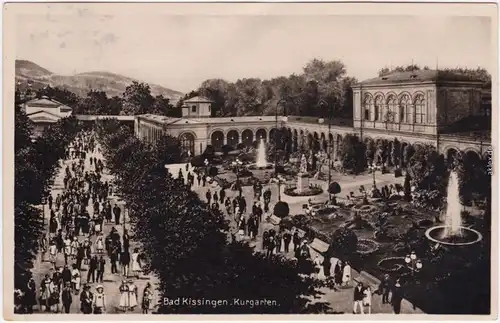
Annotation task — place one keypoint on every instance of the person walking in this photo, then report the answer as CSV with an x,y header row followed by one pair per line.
x,y
385,288
147,299
67,297
397,297
339,272
296,240
101,265
86,300
347,276
136,264
132,292
358,298
30,296
46,289
124,297
76,279
367,299
113,258
117,213
208,195
271,244
99,301
92,269
287,238
125,262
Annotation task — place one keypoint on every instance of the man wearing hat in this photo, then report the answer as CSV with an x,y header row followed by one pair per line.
x,y
385,287
86,299
99,300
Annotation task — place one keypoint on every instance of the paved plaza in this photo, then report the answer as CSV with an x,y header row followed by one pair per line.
x,y
341,301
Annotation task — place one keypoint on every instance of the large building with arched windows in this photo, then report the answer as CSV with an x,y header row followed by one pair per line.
x,y
413,108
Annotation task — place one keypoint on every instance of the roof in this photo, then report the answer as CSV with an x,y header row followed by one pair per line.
x,y
45,102
171,121
420,76
44,116
90,117
198,99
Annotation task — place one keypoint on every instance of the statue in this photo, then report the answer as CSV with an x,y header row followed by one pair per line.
x,y
303,164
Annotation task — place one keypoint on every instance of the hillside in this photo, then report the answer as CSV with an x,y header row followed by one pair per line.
x,y
80,84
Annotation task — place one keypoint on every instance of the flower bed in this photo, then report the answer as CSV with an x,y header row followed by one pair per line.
x,y
391,264
364,209
366,246
311,191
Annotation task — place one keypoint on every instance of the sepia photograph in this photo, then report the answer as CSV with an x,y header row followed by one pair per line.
x,y
237,159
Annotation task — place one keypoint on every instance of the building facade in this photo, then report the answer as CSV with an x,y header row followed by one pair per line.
x,y
412,108
44,111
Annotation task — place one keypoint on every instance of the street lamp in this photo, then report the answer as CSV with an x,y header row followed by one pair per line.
x,y
236,166
413,263
329,148
285,118
374,167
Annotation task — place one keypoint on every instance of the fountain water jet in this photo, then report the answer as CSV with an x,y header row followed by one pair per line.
x,y
261,161
453,233
453,219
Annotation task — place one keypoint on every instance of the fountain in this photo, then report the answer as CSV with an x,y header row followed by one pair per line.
x,y
453,233
261,161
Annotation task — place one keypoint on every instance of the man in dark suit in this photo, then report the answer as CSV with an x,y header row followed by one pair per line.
x,y
358,298
385,288
86,299
92,269
397,297
101,265
117,212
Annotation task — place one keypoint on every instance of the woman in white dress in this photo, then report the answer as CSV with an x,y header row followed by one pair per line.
x,y
132,295
346,277
136,265
124,296
318,264
99,245
74,247
53,252
367,299
76,279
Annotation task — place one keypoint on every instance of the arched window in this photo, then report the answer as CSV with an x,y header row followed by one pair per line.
x,y
420,116
404,109
391,108
368,107
379,108
187,143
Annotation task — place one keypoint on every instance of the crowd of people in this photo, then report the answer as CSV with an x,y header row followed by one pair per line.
x,y
336,272
78,237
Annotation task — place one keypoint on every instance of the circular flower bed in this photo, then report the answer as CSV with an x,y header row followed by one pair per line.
x,y
391,264
366,246
311,191
364,209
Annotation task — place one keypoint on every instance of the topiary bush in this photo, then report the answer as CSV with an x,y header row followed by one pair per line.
x,y
281,209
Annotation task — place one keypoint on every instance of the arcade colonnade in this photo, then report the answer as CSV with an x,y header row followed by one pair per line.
x,y
300,136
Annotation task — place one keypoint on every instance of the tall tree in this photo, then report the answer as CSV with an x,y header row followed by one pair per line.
x,y
137,99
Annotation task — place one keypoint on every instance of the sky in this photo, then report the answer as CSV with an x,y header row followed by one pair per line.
x,y
181,51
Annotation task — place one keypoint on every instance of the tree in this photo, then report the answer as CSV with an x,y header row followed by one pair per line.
x,y
168,149
352,153
137,99
427,168
396,153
